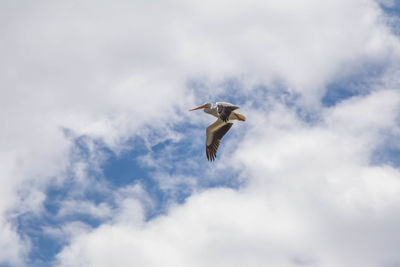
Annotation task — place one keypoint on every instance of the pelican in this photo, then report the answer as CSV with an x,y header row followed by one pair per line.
x,y
225,115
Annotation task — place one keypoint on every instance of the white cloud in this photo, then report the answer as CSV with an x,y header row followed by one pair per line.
x,y
311,199
13,248
87,208
67,232
110,71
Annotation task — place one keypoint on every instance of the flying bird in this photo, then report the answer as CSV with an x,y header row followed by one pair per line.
x,y
225,113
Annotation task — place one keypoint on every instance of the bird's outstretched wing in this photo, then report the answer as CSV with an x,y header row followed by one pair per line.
x,y
224,110
215,132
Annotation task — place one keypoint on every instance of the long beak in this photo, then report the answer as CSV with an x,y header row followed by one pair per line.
x,y
199,107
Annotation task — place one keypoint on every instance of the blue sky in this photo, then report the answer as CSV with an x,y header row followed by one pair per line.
x,y
103,164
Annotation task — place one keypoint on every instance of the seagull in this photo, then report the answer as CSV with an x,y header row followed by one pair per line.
x,y
225,115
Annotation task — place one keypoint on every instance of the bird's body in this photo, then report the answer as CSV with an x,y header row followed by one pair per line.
x,y
225,115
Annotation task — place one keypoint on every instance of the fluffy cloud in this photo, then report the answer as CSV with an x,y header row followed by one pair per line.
x,y
112,72
312,198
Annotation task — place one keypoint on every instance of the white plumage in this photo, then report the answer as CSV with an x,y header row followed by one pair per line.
x,y
225,115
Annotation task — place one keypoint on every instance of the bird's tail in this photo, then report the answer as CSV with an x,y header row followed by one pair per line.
x,y
240,117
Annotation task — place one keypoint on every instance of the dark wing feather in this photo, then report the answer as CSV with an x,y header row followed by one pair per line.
x,y
211,150
225,110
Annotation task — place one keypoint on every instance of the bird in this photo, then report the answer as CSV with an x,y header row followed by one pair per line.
x,y
225,113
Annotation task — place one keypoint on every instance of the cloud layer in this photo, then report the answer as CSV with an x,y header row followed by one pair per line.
x,y
314,192
312,198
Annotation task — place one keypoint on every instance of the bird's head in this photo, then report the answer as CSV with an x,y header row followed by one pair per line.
x,y
206,105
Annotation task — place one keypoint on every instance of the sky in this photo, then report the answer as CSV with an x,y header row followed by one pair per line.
x,y
102,164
